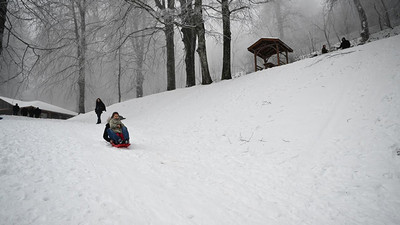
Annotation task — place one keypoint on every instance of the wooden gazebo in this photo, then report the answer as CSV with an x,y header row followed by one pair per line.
x,y
267,47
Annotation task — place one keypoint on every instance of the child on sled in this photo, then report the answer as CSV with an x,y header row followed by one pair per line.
x,y
117,132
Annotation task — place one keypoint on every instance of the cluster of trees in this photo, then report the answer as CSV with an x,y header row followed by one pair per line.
x,y
67,39
307,30
78,50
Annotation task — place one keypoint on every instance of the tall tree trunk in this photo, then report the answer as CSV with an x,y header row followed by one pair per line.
x,y
379,17
226,26
169,37
80,33
387,18
190,47
119,74
82,58
3,18
201,48
138,45
310,37
363,20
139,78
326,16
189,41
279,19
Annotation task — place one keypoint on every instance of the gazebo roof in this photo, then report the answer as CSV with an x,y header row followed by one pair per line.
x,y
266,47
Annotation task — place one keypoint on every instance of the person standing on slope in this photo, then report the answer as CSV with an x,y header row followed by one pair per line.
x,y
100,107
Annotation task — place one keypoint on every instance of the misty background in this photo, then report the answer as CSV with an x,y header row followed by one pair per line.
x,y
70,52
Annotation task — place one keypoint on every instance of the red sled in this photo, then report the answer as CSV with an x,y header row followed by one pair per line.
x,y
120,145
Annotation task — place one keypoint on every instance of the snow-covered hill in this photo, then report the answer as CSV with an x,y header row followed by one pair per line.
x,y
313,142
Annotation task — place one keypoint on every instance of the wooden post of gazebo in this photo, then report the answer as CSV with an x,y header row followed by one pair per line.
x,y
255,61
267,47
277,53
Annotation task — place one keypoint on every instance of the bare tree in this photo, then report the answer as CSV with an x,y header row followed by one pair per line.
x,y
128,30
361,14
227,9
227,36
73,24
16,45
312,42
119,75
164,12
325,28
279,18
3,18
363,20
139,44
192,24
169,34
385,17
201,48
189,39
78,8
283,13
31,14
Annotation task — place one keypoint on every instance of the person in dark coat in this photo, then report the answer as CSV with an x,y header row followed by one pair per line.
x,y
24,111
324,50
37,112
15,109
345,44
105,133
100,107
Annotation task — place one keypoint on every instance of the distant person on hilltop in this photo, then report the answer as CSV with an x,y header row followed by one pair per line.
x,y
15,109
24,111
345,44
100,107
324,50
31,111
37,112
117,132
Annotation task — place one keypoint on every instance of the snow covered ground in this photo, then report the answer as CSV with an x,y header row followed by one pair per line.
x,y
313,142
